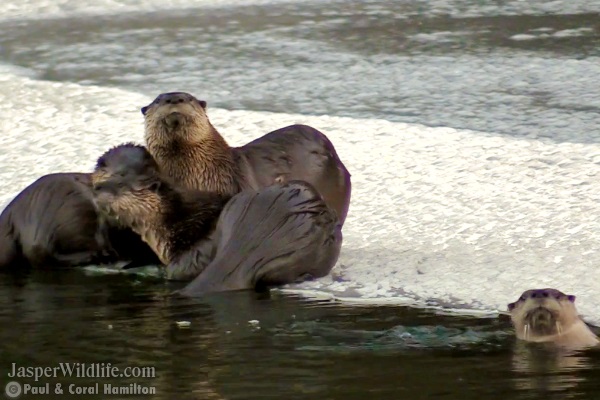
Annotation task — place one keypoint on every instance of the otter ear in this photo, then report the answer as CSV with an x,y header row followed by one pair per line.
x,y
202,104
511,306
571,298
145,110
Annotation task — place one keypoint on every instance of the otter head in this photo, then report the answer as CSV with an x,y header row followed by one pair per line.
x,y
542,314
120,160
126,186
175,117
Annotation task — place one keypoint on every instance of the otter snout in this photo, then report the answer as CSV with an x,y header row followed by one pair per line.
x,y
174,119
541,317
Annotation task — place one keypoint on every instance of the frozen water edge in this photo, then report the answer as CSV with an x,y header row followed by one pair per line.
x,y
45,9
439,217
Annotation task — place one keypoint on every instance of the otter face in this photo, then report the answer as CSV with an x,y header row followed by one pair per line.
x,y
128,158
132,200
175,116
125,184
542,313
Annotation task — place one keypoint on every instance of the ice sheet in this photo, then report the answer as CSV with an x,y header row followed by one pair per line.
x,y
439,216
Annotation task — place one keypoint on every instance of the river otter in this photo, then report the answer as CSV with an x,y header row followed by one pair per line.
x,y
280,234
549,315
190,150
167,217
54,223
284,233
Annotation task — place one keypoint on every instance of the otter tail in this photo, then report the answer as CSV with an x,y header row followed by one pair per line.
x,y
279,235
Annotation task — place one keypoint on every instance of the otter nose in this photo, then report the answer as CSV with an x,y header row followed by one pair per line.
x,y
174,98
540,293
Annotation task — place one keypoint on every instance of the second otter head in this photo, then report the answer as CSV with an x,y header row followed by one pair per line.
x,y
127,158
175,116
126,184
543,313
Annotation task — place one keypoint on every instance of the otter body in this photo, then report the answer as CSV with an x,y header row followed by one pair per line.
x,y
549,315
284,233
281,234
175,222
55,223
191,151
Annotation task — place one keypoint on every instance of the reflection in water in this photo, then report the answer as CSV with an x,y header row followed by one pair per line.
x,y
245,345
398,338
547,369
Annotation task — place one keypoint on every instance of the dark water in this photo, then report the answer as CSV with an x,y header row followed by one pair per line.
x,y
295,349
517,68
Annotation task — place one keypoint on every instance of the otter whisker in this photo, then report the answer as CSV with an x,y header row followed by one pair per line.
x,y
526,331
559,328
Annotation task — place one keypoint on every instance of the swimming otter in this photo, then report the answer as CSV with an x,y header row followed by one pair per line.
x,y
280,234
54,223
549,315
190,150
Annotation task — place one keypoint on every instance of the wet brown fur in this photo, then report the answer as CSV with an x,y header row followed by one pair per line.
x,y
197,156
54,222
549,315
169,218
281,234
190,150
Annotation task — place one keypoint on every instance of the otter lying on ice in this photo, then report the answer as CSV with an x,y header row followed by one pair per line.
x,y
189,149
280,234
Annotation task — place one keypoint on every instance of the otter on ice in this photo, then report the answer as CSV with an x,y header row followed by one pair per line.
x,y
191,151
549,315
166,216
54,223
280,234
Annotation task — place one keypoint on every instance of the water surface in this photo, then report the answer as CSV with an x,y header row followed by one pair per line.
x,y
247,345
508,68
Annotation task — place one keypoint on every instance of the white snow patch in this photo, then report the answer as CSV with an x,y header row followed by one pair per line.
x,y
439,217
